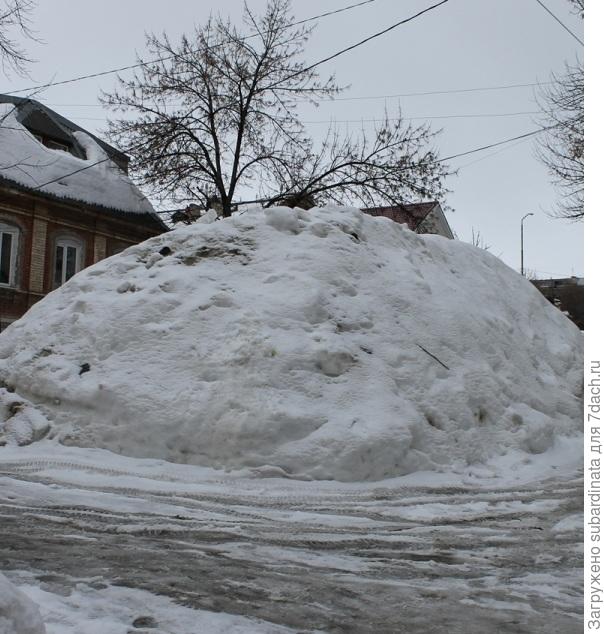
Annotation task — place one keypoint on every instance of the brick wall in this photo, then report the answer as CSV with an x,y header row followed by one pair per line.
x,y
40,222
38,256
100,248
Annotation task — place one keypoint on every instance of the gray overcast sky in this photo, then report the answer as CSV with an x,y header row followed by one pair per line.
x,y
463,44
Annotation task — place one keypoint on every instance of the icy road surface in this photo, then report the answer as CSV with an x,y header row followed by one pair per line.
x,y
88,535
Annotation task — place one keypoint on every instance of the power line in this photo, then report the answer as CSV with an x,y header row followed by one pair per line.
x,y
364,41
560,22
328,13
86,167
444,116
163,59
441,92
488,147
491,154
363,97
447,158
383,120
82,169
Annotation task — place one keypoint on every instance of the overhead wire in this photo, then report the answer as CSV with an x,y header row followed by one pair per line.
x,y
496,144
351,47
442,160
559,21
363,97
383,120
333,56
168,57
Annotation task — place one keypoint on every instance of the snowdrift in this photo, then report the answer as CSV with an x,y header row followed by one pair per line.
x,y
321,344
18,613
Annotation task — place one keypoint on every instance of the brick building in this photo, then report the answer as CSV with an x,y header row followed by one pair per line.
x,y
567,294
66,202
419,217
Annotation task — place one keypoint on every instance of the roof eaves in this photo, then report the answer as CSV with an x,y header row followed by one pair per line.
x,y
95,207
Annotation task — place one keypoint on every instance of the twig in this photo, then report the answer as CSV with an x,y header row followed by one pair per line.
x,y
433,356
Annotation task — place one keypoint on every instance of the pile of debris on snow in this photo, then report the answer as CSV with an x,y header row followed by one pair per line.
x,y
321,344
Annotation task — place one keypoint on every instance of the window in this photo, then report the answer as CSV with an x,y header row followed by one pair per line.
x,y
56,145
9,237
67,260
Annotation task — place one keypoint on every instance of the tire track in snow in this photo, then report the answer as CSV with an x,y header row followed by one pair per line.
x,y
335,563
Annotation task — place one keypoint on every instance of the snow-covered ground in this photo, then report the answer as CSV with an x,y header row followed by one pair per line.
x,y
294,421
89,535
18,614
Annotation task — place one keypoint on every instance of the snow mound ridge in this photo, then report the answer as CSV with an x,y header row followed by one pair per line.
x,y
321,344
18,613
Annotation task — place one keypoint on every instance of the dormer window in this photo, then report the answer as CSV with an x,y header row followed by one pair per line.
x,y
55,145
50,133
52,143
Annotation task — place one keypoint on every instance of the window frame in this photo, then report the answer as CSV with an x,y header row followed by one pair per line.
x,y
13,231
65,242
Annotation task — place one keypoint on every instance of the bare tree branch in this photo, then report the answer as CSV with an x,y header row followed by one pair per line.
x,y
218,112
15,23
561,147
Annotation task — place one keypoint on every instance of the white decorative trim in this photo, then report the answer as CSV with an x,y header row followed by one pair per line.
x,y
14,231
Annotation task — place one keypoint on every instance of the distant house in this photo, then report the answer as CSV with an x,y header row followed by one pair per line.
x,y
65,202
567,294
420,217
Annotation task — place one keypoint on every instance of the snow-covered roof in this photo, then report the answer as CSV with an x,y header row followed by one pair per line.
x,y
91,171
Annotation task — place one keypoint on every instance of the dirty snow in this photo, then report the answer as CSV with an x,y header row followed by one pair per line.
x,y
95,607
28,162
100,541
318,345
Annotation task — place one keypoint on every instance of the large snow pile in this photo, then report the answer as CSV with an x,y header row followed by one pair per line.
x,y
322,344
94,180
18,613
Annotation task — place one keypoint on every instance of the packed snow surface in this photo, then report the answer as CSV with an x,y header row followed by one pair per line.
x,y
18,613
94,180
322,344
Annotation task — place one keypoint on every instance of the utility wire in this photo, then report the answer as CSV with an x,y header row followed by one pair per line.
x,y
163,59
560,22
444,116
447,158
383,120
441,92
491,154
487,147
303,70
361,42
86,167
392,96
442,160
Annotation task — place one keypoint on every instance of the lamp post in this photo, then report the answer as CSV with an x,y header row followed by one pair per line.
x,y
522,242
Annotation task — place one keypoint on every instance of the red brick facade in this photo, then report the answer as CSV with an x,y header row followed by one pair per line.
x,y
39,221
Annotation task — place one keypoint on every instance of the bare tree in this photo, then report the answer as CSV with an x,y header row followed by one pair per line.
x,y
14,22
479,241
561,146
578,6
217,113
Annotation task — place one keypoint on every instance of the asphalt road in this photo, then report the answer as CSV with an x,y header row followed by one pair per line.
x,y
332,559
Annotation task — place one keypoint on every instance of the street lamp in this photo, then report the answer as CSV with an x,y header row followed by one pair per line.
x,y
522,242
